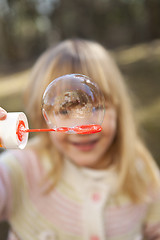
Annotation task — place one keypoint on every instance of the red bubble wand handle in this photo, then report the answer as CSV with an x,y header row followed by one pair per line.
x,y
83,129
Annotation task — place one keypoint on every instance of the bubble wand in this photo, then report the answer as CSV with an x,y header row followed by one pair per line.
x,y
71,104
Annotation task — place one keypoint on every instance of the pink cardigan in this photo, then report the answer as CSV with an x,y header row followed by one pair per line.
x,y
81,206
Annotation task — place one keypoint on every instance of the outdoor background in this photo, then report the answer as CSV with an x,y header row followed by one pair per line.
x,y
130,29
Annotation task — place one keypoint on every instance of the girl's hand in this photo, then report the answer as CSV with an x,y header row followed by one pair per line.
x,y
3,114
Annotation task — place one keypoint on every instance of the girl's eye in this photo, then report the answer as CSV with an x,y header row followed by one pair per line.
x,y
63,111
107,106
98,108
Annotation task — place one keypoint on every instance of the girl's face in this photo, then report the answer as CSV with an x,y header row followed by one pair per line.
x,y
88,150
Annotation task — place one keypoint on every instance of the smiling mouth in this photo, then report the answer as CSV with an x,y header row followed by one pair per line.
x,y
85,146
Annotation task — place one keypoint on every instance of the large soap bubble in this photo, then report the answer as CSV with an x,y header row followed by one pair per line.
x,y
73,103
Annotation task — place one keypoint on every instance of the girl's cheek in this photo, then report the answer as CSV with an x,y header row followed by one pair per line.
x,y
57,137
109,127
110,121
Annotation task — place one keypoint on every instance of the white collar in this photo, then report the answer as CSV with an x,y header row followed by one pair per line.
x,y
82,178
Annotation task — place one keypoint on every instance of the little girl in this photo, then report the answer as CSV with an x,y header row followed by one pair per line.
x,y
72,187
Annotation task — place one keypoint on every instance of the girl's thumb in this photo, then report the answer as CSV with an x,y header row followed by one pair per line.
x,y
3,114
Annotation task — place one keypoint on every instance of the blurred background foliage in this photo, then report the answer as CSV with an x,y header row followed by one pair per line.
x,y
27,27
130,29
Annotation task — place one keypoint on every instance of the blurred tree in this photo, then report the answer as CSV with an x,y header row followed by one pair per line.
x,y
28,27
112,23
153,10
21,29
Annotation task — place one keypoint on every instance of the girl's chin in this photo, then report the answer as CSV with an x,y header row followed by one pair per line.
x,y
88,163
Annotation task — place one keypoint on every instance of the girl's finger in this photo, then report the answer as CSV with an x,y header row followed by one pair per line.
x,y
3,114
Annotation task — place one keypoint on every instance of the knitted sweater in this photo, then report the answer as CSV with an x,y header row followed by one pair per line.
x,y
81,206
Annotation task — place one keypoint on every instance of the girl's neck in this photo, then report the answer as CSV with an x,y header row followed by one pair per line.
x,y
105,163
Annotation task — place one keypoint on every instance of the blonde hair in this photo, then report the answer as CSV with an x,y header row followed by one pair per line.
x,y
127,151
